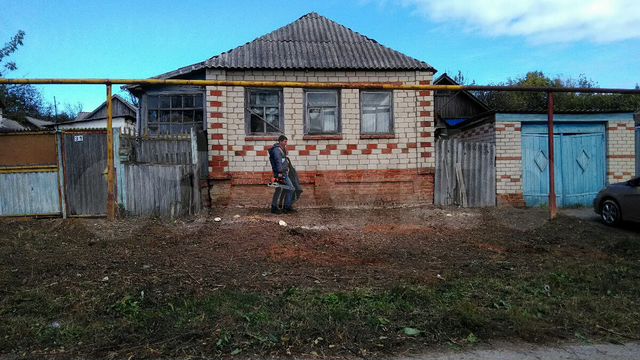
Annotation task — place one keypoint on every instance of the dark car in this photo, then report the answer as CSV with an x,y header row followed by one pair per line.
x,y
618,202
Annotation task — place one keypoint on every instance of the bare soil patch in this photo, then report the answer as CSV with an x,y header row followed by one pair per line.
x,y
354,278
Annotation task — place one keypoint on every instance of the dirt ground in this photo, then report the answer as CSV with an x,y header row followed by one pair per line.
x,y
327,250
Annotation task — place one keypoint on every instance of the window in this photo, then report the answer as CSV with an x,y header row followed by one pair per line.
x,y
376,112
321,113
264,111
174,113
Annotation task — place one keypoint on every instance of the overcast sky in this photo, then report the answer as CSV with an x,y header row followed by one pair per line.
x,y
489,40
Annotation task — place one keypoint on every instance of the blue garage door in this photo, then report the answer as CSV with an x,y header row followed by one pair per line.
x,y
580,163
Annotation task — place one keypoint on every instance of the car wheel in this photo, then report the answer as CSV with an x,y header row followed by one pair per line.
x,y
610,212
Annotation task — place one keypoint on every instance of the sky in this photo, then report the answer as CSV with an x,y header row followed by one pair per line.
x,y
488,40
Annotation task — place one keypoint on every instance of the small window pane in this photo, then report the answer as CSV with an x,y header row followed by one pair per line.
x,y
322,99
383,122
315,120
376,98
165,102
197,100
153,116
368,121
273,118
329,121
164,116
152,102
257,124
176,101
187,101
187,116
176,117
198,115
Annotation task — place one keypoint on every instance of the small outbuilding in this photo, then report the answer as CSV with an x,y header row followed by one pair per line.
x,y
124,117
592,149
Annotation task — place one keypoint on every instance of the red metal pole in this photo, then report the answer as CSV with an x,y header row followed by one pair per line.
x,y
553,209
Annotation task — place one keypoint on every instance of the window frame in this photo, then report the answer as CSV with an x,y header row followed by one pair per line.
x,y
391,117
158,108
338,107
247,113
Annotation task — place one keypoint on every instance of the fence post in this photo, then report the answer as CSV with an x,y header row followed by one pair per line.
x,y
121,191
61,184
195,166
111,198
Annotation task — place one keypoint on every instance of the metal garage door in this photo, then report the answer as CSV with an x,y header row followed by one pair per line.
x,y
580,163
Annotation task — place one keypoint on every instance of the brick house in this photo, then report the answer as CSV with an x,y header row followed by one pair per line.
x,y
592,150
350,146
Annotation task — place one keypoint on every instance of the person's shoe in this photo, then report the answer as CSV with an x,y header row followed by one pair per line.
x,y
275,210
290,211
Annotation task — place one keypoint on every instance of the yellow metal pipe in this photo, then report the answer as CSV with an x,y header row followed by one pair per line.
x,y
111,208
317,85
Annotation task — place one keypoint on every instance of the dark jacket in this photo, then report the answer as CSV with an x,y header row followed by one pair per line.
x,y
278,159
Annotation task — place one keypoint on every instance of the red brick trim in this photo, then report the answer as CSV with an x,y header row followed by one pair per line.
x,y
215,115
215,103
215,92
217,126
322,137
377,136
261,138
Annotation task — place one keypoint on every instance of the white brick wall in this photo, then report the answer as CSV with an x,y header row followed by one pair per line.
x,y
620,151
232,148
508,157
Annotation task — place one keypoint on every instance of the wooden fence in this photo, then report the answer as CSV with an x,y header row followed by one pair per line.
x,y
465,173
63,174
160,175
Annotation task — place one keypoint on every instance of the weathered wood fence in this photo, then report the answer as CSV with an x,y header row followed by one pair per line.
x,y
159,176
63,173
465,173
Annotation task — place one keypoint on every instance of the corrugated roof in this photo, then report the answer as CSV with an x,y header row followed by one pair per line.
x,y
8,125
312,42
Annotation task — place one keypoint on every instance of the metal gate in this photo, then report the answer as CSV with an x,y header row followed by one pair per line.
x,y
465,173
84,154
580,165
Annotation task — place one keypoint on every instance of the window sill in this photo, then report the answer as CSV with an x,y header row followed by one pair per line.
x,y
322,137
261,138
377,136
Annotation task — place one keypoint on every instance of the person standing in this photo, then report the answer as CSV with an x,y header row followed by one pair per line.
x,y
280,167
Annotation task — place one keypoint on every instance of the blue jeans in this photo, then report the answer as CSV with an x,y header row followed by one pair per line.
x,y
283,197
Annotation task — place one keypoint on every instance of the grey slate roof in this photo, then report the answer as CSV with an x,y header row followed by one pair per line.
x,y
312,42
120,106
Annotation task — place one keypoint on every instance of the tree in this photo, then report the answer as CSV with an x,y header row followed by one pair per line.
x,y
19,100
8,49
25,100
537,101
461,80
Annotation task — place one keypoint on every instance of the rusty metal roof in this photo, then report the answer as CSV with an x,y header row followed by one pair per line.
x,y
313,42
